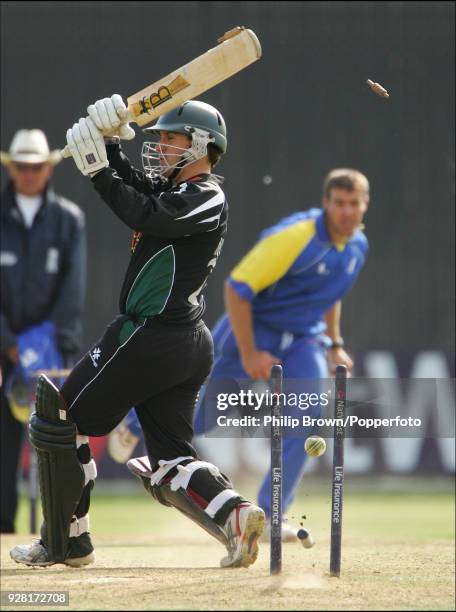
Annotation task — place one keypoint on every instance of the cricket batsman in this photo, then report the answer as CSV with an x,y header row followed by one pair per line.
x,y
156,354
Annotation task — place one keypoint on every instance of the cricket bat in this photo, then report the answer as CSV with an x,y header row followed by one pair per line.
x,y
237,49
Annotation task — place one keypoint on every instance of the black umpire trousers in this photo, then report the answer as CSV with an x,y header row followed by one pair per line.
x,y
157,368
12,434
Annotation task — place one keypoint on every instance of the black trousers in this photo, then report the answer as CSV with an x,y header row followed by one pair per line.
x,y
155,367
12,437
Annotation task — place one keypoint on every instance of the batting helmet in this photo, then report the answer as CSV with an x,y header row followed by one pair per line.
x,y
190,115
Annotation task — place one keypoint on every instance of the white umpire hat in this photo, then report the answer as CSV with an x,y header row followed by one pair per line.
x,y
30,147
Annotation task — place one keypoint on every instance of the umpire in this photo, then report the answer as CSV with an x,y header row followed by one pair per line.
x,y
43,268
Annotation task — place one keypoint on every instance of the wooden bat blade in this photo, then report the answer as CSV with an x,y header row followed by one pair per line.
x,y
235,52
238,49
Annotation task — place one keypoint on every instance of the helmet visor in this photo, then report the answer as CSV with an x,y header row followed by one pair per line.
x,y
159,159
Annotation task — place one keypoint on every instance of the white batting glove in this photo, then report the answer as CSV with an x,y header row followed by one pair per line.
x,y
110,116
87,147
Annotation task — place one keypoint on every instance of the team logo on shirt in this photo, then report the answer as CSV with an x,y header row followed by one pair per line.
x,y
95,356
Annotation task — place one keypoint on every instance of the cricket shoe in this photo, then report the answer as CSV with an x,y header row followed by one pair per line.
x,y
36,555
243,529
291,534
121,443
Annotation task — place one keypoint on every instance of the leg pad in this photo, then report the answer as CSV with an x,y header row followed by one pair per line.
x,y
61,474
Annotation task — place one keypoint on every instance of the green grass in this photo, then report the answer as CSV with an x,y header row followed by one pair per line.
x,y
397,554
421,512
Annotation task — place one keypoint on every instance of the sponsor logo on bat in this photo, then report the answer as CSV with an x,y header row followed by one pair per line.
x,y
164,93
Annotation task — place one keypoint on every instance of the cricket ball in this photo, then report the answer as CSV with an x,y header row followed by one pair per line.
x,y
315,446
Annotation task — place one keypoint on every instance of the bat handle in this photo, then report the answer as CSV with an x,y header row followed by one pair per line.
x,y
65,152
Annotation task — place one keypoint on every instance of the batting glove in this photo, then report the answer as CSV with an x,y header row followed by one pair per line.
x,y
87,147
110,115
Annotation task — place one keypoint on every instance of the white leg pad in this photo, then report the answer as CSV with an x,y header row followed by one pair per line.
x,y
219,501
90,471
185,472
79,526
165,467
80,440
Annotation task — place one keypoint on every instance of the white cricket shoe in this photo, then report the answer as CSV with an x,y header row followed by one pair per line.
x,y
243,528
35,555
291,534
121,443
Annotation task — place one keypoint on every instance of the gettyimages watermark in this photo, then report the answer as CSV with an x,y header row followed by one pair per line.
x,y
375,408
266,398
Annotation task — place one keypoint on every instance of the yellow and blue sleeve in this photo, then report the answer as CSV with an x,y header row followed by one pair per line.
x,y
271,258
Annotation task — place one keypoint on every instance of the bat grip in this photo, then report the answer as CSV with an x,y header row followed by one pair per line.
x,y
65,152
